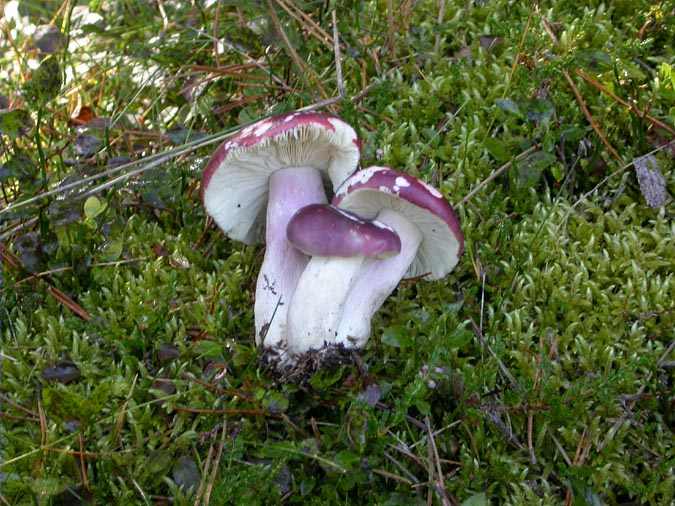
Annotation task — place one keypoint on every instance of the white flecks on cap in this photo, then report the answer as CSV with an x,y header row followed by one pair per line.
x,y
385,189
262,128
248,129
290,117
432,190
401,182
360,177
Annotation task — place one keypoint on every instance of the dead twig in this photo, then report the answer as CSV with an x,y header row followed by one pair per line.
x,y
18,406
413,479
338,57
306,21
83,465
530,447
589,117
561,450
226,411
391,28
580,99
495,417
502,367
498,172
205,475
633,108
439,21
303,69
16,417
630,404
393,476
439,483
616,173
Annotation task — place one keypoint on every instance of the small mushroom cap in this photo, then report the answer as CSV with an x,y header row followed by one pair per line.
x,y
369,191
324,230
235,181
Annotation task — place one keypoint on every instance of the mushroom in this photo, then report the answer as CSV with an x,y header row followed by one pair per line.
x,y
339,243
258,179
431,244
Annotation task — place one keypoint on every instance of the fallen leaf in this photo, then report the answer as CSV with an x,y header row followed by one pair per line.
x,y
86,145
83,116
186,473
489,42
371,395
48,39
652,183
165,386
167,352
63,372
463,52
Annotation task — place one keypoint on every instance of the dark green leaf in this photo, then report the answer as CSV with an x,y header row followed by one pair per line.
x,y
15,123
186,473
498,149
63,372
508,105
397,336
476,500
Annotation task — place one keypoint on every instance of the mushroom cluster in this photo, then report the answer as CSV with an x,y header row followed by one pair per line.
x,y
327,267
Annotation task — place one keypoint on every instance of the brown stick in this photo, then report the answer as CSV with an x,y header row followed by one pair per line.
x,y
498,173
654,121
439,484
580,99
18,406
530,447
589,117
15,263
439,21
302,67
214,472
502,367
338,57
83,465
305,20
226,411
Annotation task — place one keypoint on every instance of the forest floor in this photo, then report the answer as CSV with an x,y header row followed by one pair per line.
x,y
540,371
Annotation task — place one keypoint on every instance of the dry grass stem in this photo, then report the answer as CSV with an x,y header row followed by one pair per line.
x,y
303,69
633,108
338,57
589,117
312,27
498,172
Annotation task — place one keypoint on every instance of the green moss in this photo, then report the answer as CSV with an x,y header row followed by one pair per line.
x,y
574,292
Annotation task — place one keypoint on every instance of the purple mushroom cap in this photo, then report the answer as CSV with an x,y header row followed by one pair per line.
x,y
369,191
324,230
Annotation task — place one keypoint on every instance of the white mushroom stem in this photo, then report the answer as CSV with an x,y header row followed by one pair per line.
x,y
375,282
317,302
336,297
290,189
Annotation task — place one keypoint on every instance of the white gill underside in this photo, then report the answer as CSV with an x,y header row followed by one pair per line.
x,y
236,196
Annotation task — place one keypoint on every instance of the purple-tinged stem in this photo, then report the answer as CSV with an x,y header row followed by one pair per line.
x,y
290,190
